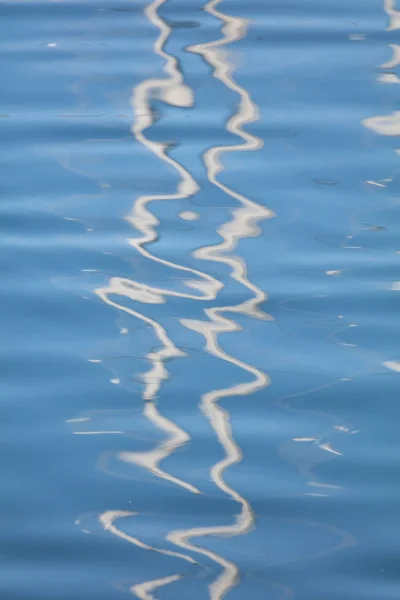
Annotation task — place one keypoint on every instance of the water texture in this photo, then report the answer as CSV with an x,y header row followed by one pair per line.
x,y
200,218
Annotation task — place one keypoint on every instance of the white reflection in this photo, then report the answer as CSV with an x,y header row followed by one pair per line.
x,y
144,591
395,60
388,78
393,13
189,215
388,125
153,378
244,223
220,422
376,183
107,520
393,365
329,448
394,23
173,91
357,37
150,460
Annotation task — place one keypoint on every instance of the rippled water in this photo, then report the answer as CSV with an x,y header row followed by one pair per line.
x,y
200,352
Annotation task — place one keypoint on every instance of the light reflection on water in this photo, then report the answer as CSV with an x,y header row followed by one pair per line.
x,y
238,442
243,224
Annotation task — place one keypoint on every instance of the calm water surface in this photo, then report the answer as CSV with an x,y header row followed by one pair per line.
x,y
200,218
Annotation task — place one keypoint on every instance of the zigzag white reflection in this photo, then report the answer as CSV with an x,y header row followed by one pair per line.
x,y
245,218
173,91
243,224
394,23
144,590
394,14
141,590
151,460
388,125
107,521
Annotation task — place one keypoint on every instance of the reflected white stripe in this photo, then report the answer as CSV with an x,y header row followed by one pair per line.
x,y
243,224
393,13
144,591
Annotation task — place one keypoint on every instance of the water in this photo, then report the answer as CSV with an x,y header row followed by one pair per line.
x,y
200,263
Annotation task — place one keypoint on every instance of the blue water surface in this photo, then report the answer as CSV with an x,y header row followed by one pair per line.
x,y
200,215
